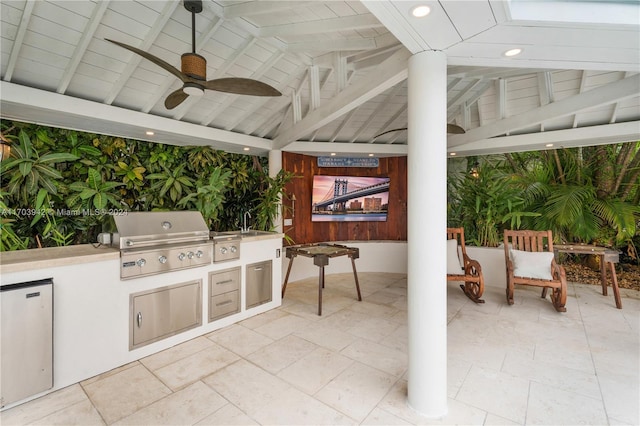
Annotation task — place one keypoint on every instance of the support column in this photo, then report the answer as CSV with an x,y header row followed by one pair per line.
x,y
426,223
275,165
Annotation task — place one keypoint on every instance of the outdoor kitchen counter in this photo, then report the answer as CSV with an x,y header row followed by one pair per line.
x,y
25,260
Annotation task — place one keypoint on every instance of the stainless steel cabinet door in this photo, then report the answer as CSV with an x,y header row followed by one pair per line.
x,y
258,281
164,312
26,340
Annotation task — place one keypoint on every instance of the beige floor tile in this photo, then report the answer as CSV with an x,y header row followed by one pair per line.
x,y
315,370
82,413
240,340
283,326
621,395
378,356
381,417
187,406
375,329
193,368
263,318
44,406
495,392
176,353
357,390
327,337
229,415
281,353
268,399
123,394
550,405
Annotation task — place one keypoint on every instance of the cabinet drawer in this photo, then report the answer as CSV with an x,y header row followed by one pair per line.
x,y
224,281
223,305
258,284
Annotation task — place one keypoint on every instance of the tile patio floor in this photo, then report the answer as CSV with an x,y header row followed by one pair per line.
x,y
521,364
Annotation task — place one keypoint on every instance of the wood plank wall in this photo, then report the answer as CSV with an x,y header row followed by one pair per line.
x,y
304,231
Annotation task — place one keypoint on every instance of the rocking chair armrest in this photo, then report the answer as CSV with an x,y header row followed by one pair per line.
x,y
557,271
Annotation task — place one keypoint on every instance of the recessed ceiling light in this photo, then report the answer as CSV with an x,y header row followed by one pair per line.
x,y
513,52
370,155
453,154
246,148
333,154
549,145
420,11
149,133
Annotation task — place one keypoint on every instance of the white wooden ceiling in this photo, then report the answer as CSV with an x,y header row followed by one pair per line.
x,y
341,66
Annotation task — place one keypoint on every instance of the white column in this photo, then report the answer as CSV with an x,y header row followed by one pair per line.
x,y
427,222
275,165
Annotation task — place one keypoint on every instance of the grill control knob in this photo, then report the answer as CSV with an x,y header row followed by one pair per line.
x,y
199,254
190,255
181,256
162,259
223,250
141,262
233,249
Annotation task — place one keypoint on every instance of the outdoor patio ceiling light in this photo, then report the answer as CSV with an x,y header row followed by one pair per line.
x,y
333,154
370,155
512,52
246,148
149,133
420,11
549,145
453,154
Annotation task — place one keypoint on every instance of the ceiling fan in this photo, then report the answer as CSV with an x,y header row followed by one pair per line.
x,y
451,128
193,72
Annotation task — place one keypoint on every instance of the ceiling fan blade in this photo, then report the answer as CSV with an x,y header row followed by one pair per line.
x,y
390,131
451,128
241,86
455,130
175,98
159,62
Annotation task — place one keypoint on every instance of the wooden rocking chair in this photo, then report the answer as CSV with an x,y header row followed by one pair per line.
x,y
529,259
470,273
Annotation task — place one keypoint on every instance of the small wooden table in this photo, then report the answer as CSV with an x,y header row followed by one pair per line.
x,y
608,259
321,252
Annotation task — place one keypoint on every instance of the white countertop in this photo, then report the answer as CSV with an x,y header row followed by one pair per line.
x,y
22,260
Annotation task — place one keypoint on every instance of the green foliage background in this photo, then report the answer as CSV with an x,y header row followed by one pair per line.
x,y
585,195
58,185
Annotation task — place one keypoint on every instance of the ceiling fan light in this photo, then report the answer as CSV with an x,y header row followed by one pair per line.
x,y
193,89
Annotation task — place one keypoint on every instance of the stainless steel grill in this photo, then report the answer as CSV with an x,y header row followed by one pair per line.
x,y
156,242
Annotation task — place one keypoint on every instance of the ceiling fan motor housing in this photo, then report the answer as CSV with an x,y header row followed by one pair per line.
x,y
194,65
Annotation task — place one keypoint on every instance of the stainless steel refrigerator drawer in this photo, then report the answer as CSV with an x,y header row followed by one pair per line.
x,y
258,282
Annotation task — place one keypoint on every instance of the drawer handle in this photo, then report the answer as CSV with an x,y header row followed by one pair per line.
x,y
226,302
139,319
258,268
224,282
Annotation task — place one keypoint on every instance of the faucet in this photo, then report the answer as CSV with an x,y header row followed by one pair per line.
x,y
245,228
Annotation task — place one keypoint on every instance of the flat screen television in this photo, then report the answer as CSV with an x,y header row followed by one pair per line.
x,y
349,199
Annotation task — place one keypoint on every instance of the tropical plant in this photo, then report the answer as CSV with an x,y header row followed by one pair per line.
x,y
174,182
269,200
31,171
209,196
94,192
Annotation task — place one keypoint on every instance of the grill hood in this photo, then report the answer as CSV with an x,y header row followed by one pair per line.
x,y
147,229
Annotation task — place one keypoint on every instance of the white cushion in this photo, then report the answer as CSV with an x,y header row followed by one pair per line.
x,y
532,264
453,262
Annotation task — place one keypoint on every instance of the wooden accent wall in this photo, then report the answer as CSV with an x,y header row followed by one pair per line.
x,y
304,231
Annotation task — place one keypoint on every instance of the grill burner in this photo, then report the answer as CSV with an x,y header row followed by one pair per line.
x,y
156,242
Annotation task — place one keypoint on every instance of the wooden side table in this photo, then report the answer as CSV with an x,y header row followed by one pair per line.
x,y
608,259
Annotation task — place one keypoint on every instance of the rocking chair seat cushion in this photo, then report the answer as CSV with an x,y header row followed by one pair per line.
x,y
532,264
453,260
